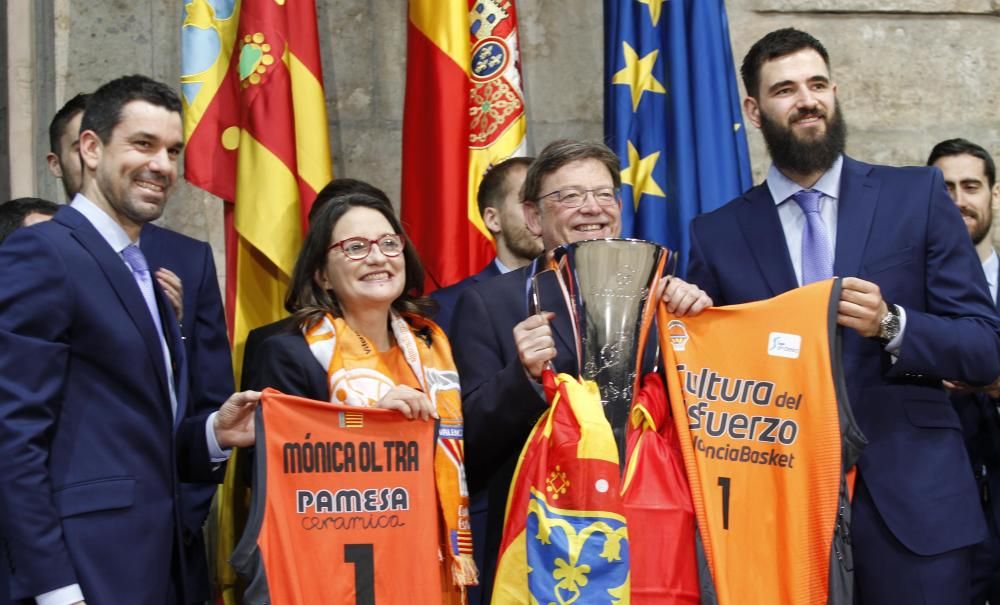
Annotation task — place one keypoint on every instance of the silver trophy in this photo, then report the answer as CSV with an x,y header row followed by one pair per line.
x,y
608,285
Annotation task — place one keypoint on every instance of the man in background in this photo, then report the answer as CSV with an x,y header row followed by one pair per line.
x,y
64,144
970,176
24,212
185,269
499,199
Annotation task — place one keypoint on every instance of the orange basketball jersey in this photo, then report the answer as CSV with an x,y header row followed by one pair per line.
x,y
767,434
344,507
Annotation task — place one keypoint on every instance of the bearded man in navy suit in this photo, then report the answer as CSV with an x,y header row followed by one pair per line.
x,y
971,177
914,304
96,425
499,199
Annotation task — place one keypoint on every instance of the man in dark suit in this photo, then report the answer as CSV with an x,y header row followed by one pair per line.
x,y
206,344
571,195
914,301
185,269
97,428
970,176
499,199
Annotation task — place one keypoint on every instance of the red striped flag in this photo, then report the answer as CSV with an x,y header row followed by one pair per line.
x,y
464,113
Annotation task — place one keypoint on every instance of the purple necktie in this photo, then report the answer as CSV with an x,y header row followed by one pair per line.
x,y
136,260
817,257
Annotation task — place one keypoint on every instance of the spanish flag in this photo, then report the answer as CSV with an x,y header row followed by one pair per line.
x,y
464,113
658,504
256,130
565,538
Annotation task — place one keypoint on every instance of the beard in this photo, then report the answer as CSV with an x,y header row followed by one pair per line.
x,y
805,156
119,193
520,241
981,228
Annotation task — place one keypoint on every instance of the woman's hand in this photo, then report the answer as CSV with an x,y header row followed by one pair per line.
x,y
411,402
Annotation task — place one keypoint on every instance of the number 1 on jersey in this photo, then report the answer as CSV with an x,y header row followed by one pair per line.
x,y
362,555
724,484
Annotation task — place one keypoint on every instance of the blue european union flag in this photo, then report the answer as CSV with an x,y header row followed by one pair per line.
x,y
672,114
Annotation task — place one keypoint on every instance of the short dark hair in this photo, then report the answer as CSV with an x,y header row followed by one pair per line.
x,y
13,213
341,187
776,44
559,153
493,187
308,301
66,113
104,108
965,147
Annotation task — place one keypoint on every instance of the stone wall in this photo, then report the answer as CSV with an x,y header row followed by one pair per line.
x,y
910,73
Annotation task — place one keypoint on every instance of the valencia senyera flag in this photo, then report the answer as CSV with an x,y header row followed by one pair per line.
x,y
256,130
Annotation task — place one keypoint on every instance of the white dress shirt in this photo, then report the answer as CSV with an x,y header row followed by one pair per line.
x,y
990,267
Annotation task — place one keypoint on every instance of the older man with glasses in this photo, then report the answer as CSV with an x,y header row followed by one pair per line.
x,y
571,195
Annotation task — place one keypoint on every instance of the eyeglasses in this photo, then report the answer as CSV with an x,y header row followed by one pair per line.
x,y
573,197
358,248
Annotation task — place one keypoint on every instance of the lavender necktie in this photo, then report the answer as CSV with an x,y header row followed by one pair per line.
x,y
136,260
817,256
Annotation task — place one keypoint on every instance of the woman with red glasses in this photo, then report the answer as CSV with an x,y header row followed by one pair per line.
x,y
363,338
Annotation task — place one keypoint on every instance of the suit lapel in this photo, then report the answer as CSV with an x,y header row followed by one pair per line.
x,y
762,231
489,272
125,288
855,209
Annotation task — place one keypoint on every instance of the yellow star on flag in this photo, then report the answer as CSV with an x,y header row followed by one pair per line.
x,y
638,74
639,174
655,7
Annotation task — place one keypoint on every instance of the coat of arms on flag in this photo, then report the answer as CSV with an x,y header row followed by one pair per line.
x,y
565,536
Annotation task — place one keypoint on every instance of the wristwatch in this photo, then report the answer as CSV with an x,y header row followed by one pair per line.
x,y
889,327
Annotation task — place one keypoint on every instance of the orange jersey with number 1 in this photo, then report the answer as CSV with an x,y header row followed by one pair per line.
x,y
759,401
345,510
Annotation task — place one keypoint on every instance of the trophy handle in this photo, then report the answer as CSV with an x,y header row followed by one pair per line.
x,y
535,304
671,265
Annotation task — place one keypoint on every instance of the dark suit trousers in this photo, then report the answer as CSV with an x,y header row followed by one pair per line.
x,y
986,565
942,579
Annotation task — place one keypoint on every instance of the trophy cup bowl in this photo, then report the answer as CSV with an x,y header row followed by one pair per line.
x,y
609,286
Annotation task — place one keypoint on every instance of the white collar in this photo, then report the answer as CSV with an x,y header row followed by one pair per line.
x,y
110,230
